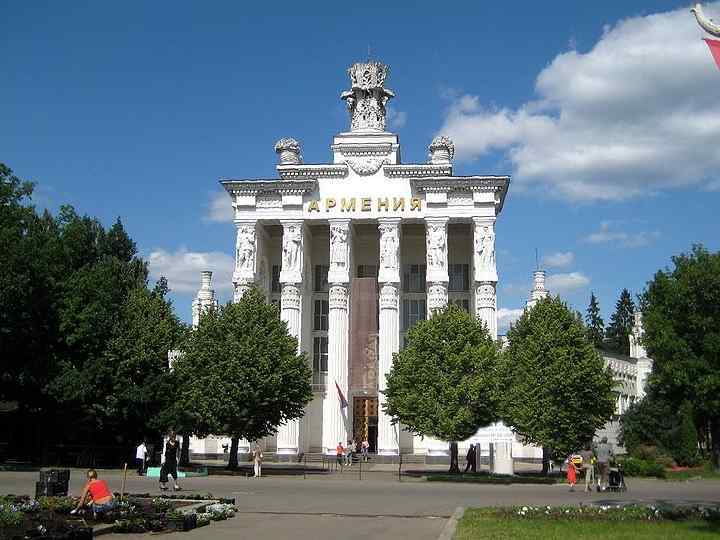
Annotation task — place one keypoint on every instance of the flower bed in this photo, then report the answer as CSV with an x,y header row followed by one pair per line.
x,y
49,517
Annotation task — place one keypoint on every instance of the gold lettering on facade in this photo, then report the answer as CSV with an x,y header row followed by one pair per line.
x,y
329,203
414,204
314,206
348,204
399,203
383,203
365,204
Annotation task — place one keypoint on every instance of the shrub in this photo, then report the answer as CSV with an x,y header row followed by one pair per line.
x,y
10,517
685,450
641,467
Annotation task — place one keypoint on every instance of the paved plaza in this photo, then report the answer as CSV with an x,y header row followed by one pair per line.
x,y
378,506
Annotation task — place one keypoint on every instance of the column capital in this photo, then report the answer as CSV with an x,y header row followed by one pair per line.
x,y
389,296
389,271
437,297
290,296
340,242
338,296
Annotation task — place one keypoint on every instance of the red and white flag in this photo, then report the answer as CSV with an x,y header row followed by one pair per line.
x,y
343,401
714,46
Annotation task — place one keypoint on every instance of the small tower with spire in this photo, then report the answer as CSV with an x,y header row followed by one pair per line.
x,y
205,298
539,291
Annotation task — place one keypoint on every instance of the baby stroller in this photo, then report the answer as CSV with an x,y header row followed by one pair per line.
x,y
616,479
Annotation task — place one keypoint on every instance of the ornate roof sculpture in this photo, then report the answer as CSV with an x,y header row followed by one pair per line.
x,y
288,151
706,23
367,96
442,150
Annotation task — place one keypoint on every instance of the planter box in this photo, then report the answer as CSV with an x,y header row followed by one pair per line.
x,y
187,523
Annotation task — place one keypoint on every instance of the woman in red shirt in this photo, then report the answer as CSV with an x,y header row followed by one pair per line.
x,y
96,495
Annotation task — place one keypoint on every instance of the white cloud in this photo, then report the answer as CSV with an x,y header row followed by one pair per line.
x,y
396,119
636,114
219,209
559,259
608,234
566,283
506,317
182,269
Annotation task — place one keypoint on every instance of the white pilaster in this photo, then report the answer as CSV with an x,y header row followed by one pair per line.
x,y
437,264
291,274
389,279
335,417
485,273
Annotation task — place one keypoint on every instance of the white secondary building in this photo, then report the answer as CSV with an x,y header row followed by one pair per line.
x,y
355,252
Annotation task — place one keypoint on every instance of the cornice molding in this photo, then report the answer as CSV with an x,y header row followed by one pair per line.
x,y
294,172
488,184
422,170
255,187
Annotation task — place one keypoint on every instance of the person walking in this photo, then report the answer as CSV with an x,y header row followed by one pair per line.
x,y
365,448
349,452
257,461
571,473
340,455
470,459
603,453
141,454
588,466
169,463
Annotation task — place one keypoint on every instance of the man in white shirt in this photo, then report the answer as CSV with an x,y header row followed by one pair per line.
x,y
141,458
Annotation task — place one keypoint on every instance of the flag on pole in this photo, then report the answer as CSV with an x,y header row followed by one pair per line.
x,y
343,401
714,46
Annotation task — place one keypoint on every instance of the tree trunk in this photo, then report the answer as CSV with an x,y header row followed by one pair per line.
x,y
454,467
185,450
233,460
546,457
715,442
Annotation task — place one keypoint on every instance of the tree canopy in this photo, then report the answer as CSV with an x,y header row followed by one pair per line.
x,y
594,322
556,390
621,323
240,372
443,384
681,316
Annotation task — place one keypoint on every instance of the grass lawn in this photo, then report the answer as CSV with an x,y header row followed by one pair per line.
x,y
477,524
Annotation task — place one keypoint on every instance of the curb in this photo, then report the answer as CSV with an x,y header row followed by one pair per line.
x,y
448,531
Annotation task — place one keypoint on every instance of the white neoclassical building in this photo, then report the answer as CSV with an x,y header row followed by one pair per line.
x,y
356,251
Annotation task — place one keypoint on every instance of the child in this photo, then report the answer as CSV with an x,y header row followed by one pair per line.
x,y
571,473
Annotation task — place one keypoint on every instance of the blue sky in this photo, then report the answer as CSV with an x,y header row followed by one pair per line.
x,y
606,114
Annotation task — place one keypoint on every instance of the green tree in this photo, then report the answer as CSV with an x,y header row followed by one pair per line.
x,y
595,324
443,384
557,391
686,451
621,323
681,316
649,422
240,373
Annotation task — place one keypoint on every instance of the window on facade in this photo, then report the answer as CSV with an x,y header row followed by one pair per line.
x,y
320,315
413,311
275,280
367,270
321,277
414,278
320,354
459,277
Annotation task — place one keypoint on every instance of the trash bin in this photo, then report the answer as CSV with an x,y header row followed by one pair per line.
x,y
53,482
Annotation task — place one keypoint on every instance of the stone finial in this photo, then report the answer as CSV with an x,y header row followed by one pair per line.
x,y
288,151
367,96
442,150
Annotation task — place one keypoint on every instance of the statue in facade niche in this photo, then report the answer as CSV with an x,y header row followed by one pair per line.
x,y
388,248
485,249
245,249
338,246
436,246
292,243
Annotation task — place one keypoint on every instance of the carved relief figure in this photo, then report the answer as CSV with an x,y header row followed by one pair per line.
x,y
338,246
388,247
292,244
485,249
436,246
245,248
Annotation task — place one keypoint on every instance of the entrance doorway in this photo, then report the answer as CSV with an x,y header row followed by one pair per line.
x,y
365,421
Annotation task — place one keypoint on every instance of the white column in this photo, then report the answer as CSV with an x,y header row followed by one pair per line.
x,y
291,277
244,274
437,264
335,417
389,327
485,273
